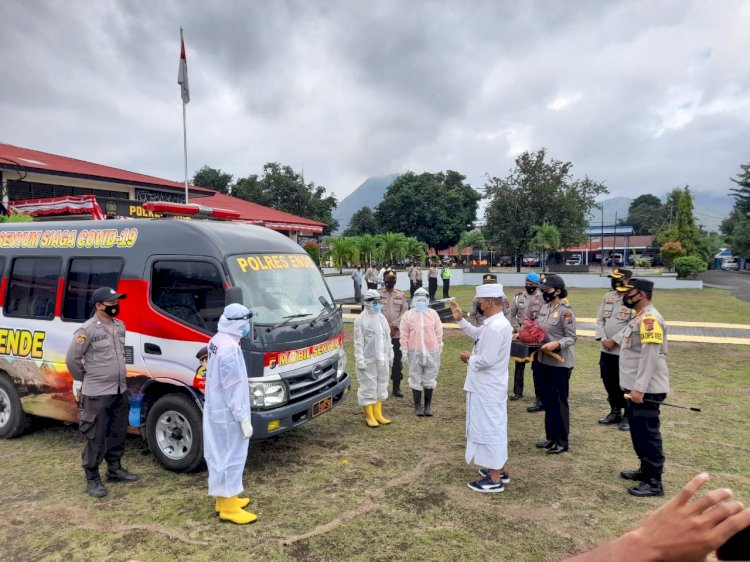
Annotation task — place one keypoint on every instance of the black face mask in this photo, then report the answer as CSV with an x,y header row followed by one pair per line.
x,y
617,283
390,284
530,289
549,297
112,310
628,301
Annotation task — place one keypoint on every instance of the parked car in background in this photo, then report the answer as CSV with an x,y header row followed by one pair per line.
x,y
530,261
575,259
729,264
614,260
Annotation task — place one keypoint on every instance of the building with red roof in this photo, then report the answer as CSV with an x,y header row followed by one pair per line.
x,y
28,174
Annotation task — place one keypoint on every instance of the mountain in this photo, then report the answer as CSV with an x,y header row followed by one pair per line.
x,y
369,194
709,209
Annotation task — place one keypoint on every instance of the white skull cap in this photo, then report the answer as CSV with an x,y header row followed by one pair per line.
x,y
490,291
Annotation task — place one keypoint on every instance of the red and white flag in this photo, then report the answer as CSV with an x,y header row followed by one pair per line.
x,y
182,76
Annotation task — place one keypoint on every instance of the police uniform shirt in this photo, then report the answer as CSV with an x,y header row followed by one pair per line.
x,y
560,323
96,356
394,306
643,354
525,306
611,319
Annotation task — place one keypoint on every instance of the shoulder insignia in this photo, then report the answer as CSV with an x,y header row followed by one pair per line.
x,y
610,298
568,317
80,338
566,302
651,331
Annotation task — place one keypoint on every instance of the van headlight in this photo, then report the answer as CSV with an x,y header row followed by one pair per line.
x,y
267,394
341,367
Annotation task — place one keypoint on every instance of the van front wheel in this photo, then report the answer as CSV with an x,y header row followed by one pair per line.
x,y
174,432
13,420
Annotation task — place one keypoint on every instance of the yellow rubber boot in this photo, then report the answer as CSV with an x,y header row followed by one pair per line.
x,y
378,413
228,511
369,418
240,502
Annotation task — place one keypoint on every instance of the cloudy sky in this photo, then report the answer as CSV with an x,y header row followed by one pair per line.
x,y
643,95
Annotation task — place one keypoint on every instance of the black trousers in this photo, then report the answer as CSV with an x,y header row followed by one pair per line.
x,y
609,368
555,390
537,376
413,287
446,287
104,424
372,285
396,370
646,435
357,292
432,287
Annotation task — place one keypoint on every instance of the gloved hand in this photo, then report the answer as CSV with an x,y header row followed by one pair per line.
x,y
77,385
361,365
247,429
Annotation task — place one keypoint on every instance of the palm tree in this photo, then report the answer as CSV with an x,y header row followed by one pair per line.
x,y
414,248
341,250
392,246
16,217
545,237
368,246
470,239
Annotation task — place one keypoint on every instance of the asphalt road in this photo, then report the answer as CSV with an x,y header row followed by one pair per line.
x,y
736,282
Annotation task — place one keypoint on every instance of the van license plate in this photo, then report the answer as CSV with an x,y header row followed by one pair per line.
x,y
322,406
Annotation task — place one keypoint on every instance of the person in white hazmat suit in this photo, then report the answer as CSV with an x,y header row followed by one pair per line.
x,y
422,344
373,353
486,388
226,415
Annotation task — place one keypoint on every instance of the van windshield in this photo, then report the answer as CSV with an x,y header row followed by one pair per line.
x,y
279,286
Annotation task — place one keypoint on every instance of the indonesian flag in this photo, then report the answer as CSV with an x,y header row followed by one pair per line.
x,y
182,77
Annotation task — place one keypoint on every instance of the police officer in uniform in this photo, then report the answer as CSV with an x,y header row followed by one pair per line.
x,y
476,317
555,361
645,377
395,305
96,361
611,319
526,304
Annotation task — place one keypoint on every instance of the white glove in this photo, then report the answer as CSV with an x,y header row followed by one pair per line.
x,y
361,365
247,429
77,385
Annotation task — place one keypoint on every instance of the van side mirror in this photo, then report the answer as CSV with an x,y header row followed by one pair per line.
x,y
233,295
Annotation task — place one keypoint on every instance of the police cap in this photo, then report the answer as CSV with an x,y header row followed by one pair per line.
x,y
551,281
106,294
489,278
640,284
620,273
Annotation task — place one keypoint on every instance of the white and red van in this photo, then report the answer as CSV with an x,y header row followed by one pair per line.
x,y
178,275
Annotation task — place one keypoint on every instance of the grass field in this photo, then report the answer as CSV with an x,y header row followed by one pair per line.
x,y
401,494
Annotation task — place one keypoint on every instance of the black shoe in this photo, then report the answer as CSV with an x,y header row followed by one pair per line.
x,y
516,397
397,390
636,475
612,418
418,409
428,401
557,449
548,444
649,488
94,486
624,425
535,407
119,474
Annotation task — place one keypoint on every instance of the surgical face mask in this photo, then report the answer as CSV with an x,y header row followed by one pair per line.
x,y
377,308
420,305
246,331
549,297
531,289
112,309
628,301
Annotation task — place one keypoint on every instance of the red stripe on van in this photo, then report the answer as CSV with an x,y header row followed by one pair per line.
x,y
60,295
140,316
2,291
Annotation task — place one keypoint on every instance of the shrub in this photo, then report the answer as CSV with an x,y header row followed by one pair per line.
x,y
313,250
670,251
688,267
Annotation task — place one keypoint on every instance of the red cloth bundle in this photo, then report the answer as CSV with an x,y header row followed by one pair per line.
x,y
531,333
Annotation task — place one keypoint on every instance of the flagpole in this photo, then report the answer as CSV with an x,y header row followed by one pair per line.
x,y
184,142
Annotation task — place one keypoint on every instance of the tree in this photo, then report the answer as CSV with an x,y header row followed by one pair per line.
x,y
538,191
645,214
341,250
546,237
742,193
436,208
470,239
688,267
392,246
362,222
684,222
213,178
413,248
282,188
736,228
670,251
368,246
313,250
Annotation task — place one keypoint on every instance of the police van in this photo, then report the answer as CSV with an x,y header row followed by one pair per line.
x,y
178,276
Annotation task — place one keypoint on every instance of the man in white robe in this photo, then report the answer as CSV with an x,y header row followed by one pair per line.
x,y
226,415
486,388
